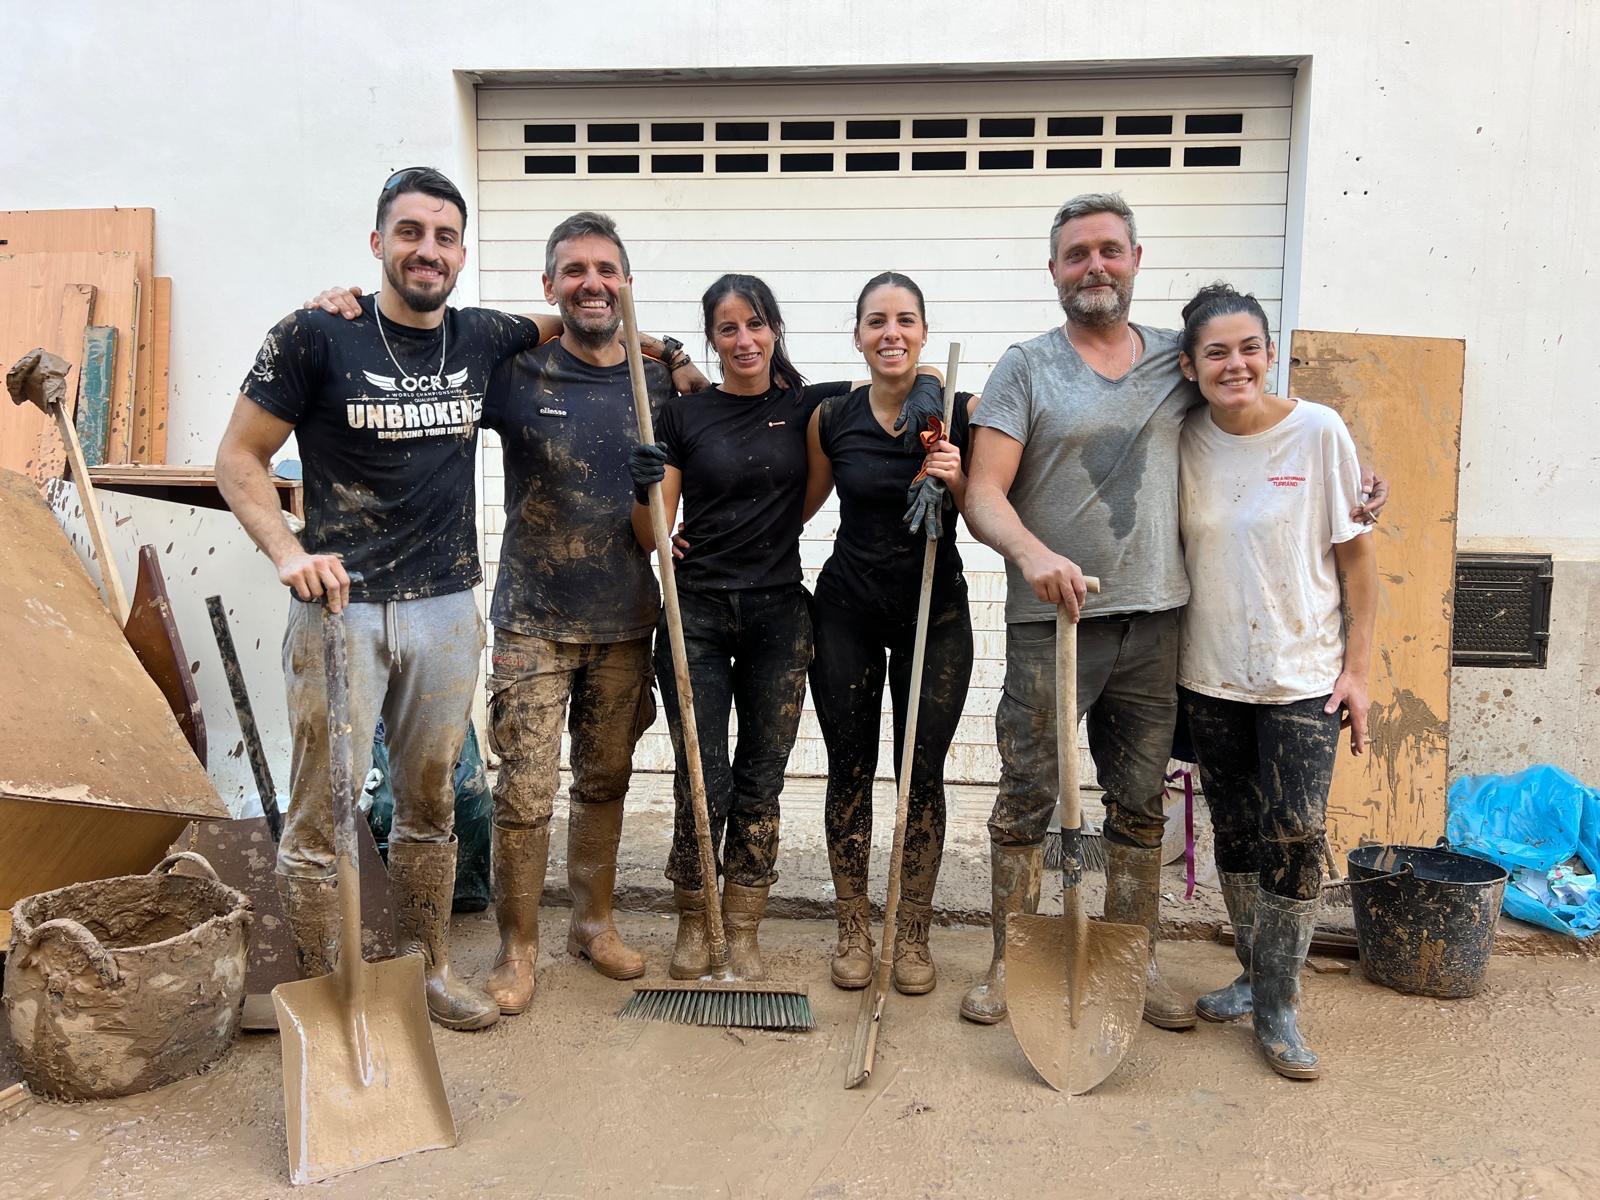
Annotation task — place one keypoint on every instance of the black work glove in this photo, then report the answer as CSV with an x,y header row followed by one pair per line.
x,y
925,400
647,463
928,499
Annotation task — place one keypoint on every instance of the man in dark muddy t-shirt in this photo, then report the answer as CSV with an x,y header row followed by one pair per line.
x,y
385,410
575,604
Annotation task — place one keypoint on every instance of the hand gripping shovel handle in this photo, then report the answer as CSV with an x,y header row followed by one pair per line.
x,y
660,521
1071,799
864,1048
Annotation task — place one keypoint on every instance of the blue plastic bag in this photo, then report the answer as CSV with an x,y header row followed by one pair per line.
x,y
1537,819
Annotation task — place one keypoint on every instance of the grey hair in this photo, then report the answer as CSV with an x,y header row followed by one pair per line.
x,y
584,224
1087,205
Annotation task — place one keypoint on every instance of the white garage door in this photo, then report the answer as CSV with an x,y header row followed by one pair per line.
x,y
817,187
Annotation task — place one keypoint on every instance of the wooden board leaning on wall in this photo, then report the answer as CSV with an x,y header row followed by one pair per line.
x,y
1401,398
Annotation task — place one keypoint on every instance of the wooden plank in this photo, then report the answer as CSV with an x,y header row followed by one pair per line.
x,y
184,483
77,303
31,286
100,229
94,391
161,339
1401,398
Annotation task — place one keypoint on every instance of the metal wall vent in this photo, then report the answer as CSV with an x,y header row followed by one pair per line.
x,y
1502,612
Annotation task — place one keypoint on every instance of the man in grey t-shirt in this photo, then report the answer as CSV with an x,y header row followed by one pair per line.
x,y
1076,449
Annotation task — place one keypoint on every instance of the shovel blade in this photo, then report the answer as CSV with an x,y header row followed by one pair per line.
x,y
347,1103
1045,975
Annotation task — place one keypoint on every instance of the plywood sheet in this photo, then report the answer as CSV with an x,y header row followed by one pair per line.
x,y
1401,398
81,723
50,452
161,357
31,288
132,230
69,843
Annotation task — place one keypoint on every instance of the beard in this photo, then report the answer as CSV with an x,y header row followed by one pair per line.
x,y
416,298
1096,308
593,329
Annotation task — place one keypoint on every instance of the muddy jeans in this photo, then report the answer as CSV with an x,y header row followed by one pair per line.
x,y
1127,681
855,651
1266,769
412,662
747,649
603,691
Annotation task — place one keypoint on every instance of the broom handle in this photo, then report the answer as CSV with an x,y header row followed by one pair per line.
x,y
661,523
902,803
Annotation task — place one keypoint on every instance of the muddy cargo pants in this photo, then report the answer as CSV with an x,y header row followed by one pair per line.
x,y
412,662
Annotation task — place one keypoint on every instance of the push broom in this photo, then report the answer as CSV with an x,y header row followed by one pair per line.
x,y
717,998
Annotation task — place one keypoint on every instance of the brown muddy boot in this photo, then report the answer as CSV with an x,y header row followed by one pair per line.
x,y
742,908
1133,897
593,833
914,974
519,857
1014,880
690,958
852,957
423,875
312,906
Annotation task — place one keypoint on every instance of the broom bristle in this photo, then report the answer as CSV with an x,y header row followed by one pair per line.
x,y
703,1002
1094,851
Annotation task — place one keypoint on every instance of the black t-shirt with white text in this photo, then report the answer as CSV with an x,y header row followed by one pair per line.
x,y
743,460
571,569
386,437
876,564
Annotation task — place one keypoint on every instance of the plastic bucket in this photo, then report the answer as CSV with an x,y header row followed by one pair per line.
x,y
1425,917
121,985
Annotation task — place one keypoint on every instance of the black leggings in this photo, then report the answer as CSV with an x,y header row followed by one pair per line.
x,y
855,652
1266,769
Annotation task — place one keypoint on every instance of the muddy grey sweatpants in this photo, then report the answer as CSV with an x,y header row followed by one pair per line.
x,y
412,662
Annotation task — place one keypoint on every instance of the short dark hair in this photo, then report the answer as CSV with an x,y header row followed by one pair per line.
x,y
1215,300
759,297
419,179
891,279
584,224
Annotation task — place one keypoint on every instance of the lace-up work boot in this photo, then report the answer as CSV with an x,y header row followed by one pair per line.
x,y
914,973
593,833
424,878
1232,1002
1282,936
742,910
690,958
1133,897
1014,879
852,957
519,858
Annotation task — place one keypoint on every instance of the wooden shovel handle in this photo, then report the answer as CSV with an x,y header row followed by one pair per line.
x,y
1067,714
660,522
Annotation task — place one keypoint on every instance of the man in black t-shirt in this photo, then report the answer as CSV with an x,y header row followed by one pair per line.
x,y
575,603
385,410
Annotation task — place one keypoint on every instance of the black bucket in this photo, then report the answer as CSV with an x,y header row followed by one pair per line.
x,y
1425,921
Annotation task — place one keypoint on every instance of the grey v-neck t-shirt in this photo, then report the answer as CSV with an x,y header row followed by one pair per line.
x,y
1098,480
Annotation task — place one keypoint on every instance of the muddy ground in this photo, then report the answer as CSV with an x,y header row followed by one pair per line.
x,y
1492,1096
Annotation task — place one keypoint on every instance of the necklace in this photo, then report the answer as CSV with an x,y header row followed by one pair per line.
x,y
1133,349
444,346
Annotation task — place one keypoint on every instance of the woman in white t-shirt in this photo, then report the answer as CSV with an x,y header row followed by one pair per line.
x,y
1275,646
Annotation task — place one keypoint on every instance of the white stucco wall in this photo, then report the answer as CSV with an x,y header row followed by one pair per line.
x,y
1449,151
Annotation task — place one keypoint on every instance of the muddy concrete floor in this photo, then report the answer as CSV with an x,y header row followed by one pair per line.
x,y
1492,1096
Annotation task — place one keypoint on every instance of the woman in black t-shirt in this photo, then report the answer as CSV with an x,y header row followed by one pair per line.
x,y
736,454
865,624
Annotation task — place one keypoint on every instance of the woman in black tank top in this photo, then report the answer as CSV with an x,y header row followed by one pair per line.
x,y
865,623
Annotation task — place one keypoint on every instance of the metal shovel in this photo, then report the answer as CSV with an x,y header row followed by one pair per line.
x,y
361,1082
1075,988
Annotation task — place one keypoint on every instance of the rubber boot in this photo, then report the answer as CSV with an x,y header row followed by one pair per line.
x,y
914,973
1133,897
1281,938
852,957
690,957
1232,1002
1014,879
519,857
312,906
742,908
423,875
593,834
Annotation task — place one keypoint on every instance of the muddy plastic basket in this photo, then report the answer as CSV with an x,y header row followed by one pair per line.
x,y
1425,917
121,985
